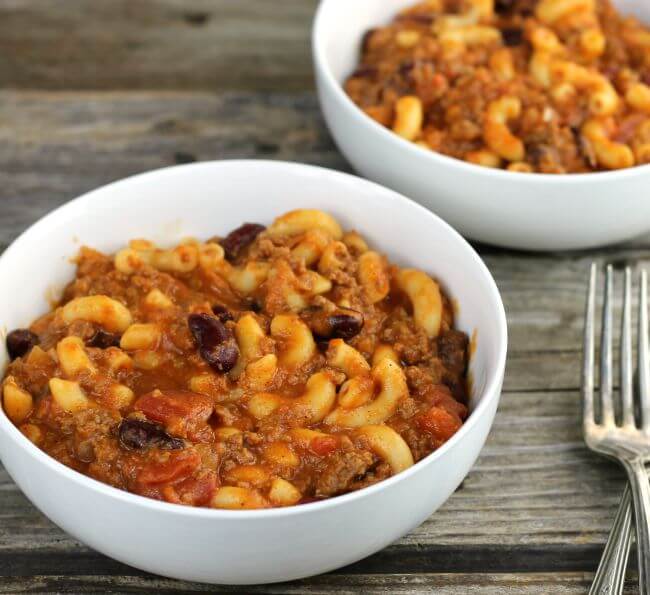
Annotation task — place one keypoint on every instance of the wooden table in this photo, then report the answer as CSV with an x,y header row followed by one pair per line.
x,y
94,91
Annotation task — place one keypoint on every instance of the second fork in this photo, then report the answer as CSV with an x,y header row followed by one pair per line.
x,y
626,441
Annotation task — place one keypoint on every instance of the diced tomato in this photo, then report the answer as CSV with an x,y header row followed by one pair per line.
x,y
195,491
452,406
174,467
440,395
183,413
627,128
323,445
440,423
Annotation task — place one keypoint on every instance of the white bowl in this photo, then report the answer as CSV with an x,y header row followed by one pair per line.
x,y
531,211
265,545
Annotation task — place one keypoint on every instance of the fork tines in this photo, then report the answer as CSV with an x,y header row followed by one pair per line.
x,y
605,407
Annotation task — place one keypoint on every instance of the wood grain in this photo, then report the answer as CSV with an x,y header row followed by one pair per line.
x,y
156,44
424,583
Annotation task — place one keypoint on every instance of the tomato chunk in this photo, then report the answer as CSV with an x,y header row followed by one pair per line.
x,y
323,445
440,423
195,491
168,469
440,395
183,413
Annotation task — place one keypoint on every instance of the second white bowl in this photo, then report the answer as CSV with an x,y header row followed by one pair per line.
x,y
529,211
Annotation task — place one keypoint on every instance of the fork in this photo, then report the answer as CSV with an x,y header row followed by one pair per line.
x,y
627,442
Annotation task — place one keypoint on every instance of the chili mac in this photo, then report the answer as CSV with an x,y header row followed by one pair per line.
x,y
276,366
548,86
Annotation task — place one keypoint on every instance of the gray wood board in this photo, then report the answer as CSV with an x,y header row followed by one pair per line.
x,y
156,44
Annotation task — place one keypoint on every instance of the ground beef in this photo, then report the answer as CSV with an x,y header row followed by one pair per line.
x,y
341,469
452,350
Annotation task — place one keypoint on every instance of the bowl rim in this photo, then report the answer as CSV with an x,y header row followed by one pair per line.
x,y
322,67
85,203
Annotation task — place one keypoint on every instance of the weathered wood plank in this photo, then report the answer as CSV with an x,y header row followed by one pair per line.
x,y
61,145
392,560
443,584
156,44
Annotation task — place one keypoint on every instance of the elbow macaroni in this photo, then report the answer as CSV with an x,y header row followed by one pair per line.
x,y
610,154
100,309
425,297
496,133
438,76
392,389
200,386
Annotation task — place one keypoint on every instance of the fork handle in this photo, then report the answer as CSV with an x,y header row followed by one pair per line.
x,y
610,576
640,486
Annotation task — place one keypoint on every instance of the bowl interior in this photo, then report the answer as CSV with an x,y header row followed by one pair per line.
x,y
342,25
206,199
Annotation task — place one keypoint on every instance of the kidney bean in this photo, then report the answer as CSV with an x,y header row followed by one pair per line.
x,y
343,323
222,358
103,339
222,313
365,40
365,71
20,341
138,434
216,344
512,36
406,67
207,330
240,238
420,19
503,6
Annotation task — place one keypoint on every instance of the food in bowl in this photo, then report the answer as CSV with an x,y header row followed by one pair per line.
x,y
548,86
272,367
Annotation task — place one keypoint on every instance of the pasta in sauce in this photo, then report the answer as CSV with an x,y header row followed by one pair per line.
x,y
276,366
547,86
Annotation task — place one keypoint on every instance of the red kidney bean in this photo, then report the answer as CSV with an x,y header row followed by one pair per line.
x,y
207,330
222,313
406,67
365,40
103,339
222,358
240,238
503,6
420,19
512,36
20,341
365,71
138,434
346,325
216,344
343,323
